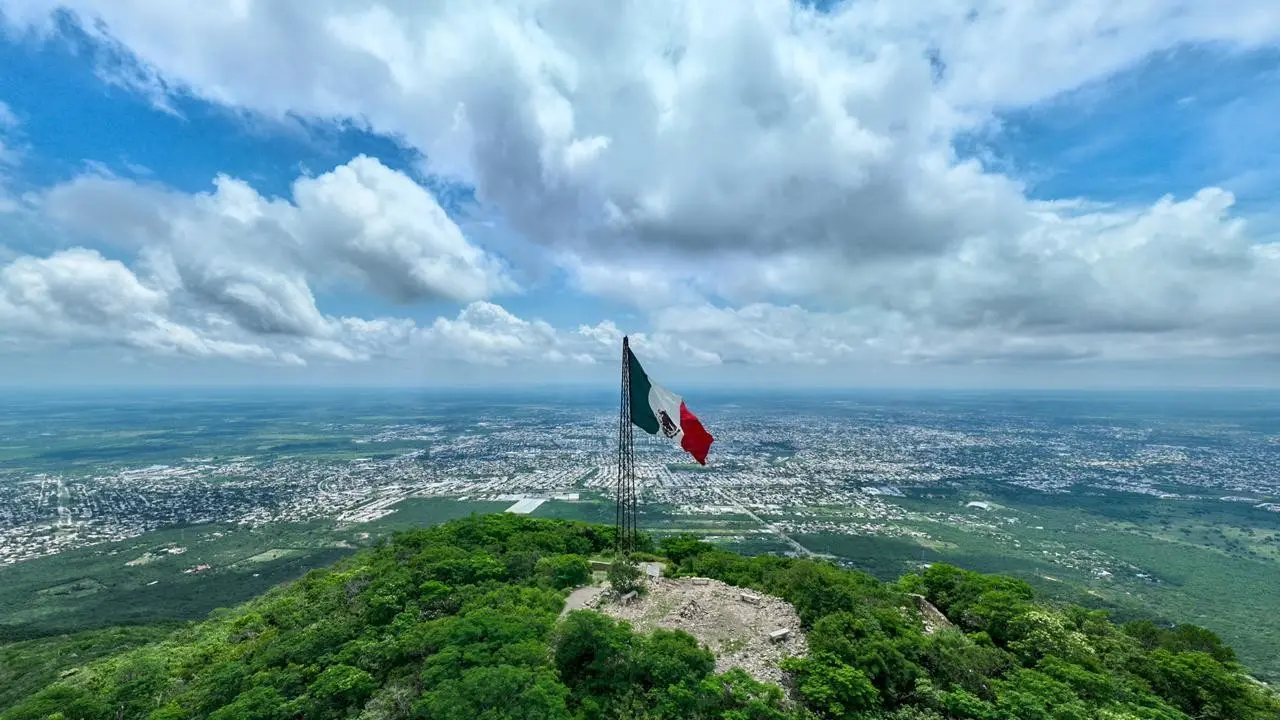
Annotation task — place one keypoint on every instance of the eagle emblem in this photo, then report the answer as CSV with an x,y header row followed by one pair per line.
x,y
669,428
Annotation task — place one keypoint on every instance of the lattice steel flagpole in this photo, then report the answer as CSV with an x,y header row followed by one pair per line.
x,y
617,494
626,487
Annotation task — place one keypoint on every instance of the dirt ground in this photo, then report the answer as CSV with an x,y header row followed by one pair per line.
x,y
737,631
583,597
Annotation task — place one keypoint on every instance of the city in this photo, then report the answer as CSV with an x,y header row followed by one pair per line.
x,y
827,475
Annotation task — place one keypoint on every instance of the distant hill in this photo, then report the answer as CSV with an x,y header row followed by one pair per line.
x,y
461,622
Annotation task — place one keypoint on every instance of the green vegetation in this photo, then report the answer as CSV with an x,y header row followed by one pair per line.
x,y
139,581
460,622
75,588
1183,560
589,509
563,571
686,467
421,512
27,666
625,576
1007,657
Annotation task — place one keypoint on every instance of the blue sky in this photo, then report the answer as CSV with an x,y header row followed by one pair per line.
x,y
1177,121
684,236
74,121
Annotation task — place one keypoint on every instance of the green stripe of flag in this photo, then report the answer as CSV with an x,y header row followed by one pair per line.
x,y
641,414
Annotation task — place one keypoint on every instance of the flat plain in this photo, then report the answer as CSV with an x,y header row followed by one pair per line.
x,y
143,508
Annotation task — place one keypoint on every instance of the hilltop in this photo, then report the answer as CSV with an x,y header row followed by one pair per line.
x,y
463,621
736,625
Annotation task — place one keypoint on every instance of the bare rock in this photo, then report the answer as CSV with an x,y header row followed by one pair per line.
x,y
932,617
737,631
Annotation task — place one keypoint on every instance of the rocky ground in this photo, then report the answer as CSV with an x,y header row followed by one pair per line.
x,y
932,617
736,630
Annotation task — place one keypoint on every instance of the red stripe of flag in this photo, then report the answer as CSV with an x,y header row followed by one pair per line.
x,y
696,441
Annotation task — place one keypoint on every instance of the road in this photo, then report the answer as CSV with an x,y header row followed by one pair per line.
x,y
579,598
802,550
64,498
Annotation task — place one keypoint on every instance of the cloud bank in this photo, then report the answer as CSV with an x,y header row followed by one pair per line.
x,y
765,183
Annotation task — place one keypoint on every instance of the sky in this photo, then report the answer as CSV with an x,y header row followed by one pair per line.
x,y
869,193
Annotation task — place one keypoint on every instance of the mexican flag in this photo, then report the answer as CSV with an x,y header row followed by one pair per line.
x,y
656,409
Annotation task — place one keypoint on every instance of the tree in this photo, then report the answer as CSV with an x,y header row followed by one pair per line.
x,y
70,702
339,687
1182,638
218,686
734,695
831,688
669,657
563,571
1032,694
953,660
1202,687
1040,633
502,692
625,576
856,639
453,622
521,564
593,654
260,703
137,680
679,547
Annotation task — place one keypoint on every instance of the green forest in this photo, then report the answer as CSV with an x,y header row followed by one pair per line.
x,y
463,621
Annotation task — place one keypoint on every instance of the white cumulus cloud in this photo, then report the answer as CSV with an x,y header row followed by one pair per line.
x,y
769,184
486,333
78,295
230,273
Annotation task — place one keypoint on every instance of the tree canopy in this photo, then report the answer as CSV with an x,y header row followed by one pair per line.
x,y
462,621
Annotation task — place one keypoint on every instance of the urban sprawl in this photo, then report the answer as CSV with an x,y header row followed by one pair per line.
x,y
819,476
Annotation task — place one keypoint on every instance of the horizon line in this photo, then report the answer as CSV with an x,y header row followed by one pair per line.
x,y
585,386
